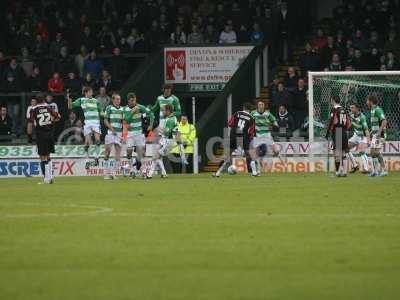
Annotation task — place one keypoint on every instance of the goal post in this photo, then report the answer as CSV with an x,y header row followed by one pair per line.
x,y
350,87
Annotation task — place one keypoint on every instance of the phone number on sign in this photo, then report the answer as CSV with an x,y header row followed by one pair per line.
x,y
31,152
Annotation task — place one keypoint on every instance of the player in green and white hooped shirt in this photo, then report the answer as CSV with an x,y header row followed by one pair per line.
x,y
360,138
265,121
136,138
113,120
378,135
92,112
169,136
164,99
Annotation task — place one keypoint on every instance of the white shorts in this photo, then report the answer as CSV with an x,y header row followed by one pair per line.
x,y
258,141
136,140
377,142
166,146
356,140
91,128
113,139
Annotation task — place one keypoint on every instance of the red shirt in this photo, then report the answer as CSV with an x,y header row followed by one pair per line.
x,y
55,85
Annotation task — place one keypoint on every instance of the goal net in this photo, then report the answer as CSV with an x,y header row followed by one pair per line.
x,y
351,87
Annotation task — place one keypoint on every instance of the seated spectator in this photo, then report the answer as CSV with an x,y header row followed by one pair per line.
x,y
358,62
195,37
80,59
300,103
32,105
135,41
88,39
328,51
257,36
291,79
309,60
243,35
282,97
285,123
57,44
153,36
117,65
73,129
228,35
106,81
10,85
103,98
55,84
391,62
320,41
373,60
359,41
93,65
178,37
3,65
26,62
335,64
64,63
210,35
6,125
72,84
393,43
106,38
40,47
36,82
88,81
16,71
273,87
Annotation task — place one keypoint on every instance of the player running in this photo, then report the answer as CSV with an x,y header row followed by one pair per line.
x,y
170,136
167,98
242,127
360,138
92,112
264,122
378,136
113,120
43,117
136,139
339,124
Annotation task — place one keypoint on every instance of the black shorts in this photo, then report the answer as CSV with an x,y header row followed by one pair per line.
x,y
242,141
340,140
45,143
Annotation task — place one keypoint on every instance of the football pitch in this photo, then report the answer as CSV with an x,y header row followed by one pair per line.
x,y
281,236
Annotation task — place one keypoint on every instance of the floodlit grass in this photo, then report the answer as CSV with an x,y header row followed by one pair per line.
x,y
281,236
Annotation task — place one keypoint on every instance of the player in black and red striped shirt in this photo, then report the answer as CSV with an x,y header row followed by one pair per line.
x,y
242,129
339,125
43,117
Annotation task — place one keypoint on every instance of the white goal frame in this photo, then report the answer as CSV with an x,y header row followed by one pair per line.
x,y
311,76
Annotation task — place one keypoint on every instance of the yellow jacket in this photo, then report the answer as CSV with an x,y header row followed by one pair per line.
x,y
188,135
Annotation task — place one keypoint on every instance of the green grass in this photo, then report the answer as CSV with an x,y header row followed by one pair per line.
x,y
281,236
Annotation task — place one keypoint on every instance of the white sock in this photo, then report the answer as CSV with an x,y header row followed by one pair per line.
x,y
50,163
47,172
258,165
352,159
345,166
116,166
364,159
375,164
253,167
133,163
106,166
221,168
162,168
97,150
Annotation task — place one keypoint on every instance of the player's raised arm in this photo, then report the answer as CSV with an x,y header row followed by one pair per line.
x,y
177,107
145,110
156,106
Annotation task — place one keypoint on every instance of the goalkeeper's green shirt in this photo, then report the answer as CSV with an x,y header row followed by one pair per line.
x,y
170,127
115,116
162,101
359,124
91,109
134,120
377,116
264,122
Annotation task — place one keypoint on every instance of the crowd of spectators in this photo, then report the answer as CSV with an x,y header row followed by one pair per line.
x,y
361,36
